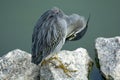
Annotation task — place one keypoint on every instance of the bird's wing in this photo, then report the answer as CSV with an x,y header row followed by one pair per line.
x,y
45,38
78,28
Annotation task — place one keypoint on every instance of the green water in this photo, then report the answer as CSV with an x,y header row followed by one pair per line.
x,y
18,17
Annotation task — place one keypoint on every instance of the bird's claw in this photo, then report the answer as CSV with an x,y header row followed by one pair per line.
x,y
63,67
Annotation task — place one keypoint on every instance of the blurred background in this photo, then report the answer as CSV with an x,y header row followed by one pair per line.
x,y
18,17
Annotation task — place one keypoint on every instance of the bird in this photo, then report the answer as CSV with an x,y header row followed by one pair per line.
x,y
51,32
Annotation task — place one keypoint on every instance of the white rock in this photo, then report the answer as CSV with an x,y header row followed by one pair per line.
x,y
78,60
108,50
16,65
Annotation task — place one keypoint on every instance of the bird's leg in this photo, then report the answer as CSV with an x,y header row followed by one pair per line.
x,y
63,67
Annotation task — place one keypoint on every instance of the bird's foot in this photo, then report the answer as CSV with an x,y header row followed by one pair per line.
x,y
45,61
63,67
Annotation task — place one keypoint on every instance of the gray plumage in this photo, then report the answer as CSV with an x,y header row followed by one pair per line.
x,y
79,32
51,31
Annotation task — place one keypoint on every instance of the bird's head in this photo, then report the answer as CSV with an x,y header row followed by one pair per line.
x,y
56,12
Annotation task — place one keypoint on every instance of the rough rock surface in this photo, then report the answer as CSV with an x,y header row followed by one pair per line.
x,y
16,65
108,50
76,60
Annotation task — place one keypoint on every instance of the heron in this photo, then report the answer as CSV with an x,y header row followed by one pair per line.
x,y
51,32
